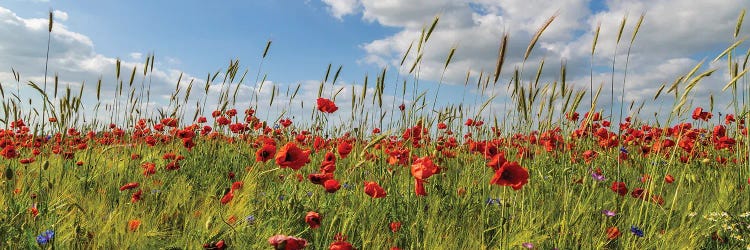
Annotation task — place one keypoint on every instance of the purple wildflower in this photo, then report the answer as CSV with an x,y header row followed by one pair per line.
x,y
609,213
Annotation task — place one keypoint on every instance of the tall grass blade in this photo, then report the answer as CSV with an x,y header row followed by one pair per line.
x,y
734,80
537,36
730,48
500,56
740,19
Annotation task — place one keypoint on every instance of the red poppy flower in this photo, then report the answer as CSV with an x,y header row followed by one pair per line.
x,y
148,168
619,188
320,178
290,156
698,114
227,197
169,122
329,157
395,226
188,143
285,122
328,167
511,174
237,185
613,233
442,126
136,196
497,161
133,225
639,193
572,116
344,148
331,185
469,122
313,219
283,242
729,119
423,168
265,153
374,190
222,121
173,165
341,245
589,155
326,106
129,186
9,152
669,178
34,211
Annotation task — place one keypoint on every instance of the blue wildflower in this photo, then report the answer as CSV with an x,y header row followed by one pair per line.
x,y
250,219
45,237
636,231
623,150
281,197
491,201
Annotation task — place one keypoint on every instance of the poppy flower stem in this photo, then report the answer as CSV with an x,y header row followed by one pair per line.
x,y
230,225
268,171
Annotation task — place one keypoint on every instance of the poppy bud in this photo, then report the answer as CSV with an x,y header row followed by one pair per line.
x,y
8,173
45,165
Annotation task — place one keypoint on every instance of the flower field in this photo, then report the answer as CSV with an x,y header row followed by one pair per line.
x,y
560,170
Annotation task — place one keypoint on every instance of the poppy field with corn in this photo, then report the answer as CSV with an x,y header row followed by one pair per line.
x,y
403,174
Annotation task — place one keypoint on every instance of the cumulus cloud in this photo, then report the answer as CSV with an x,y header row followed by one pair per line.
x,y
673,38
73,59
341,8
60,15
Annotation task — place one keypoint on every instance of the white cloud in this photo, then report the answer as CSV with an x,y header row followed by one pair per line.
x,y
60,15
136,55
72,57
674,36
341,8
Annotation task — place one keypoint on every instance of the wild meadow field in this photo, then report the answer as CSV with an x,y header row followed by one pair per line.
x,y
561,169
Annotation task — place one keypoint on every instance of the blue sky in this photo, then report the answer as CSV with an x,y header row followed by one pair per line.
x,y
203,36
198,37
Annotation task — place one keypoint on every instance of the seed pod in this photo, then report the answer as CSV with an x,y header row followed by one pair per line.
x,y
8,173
